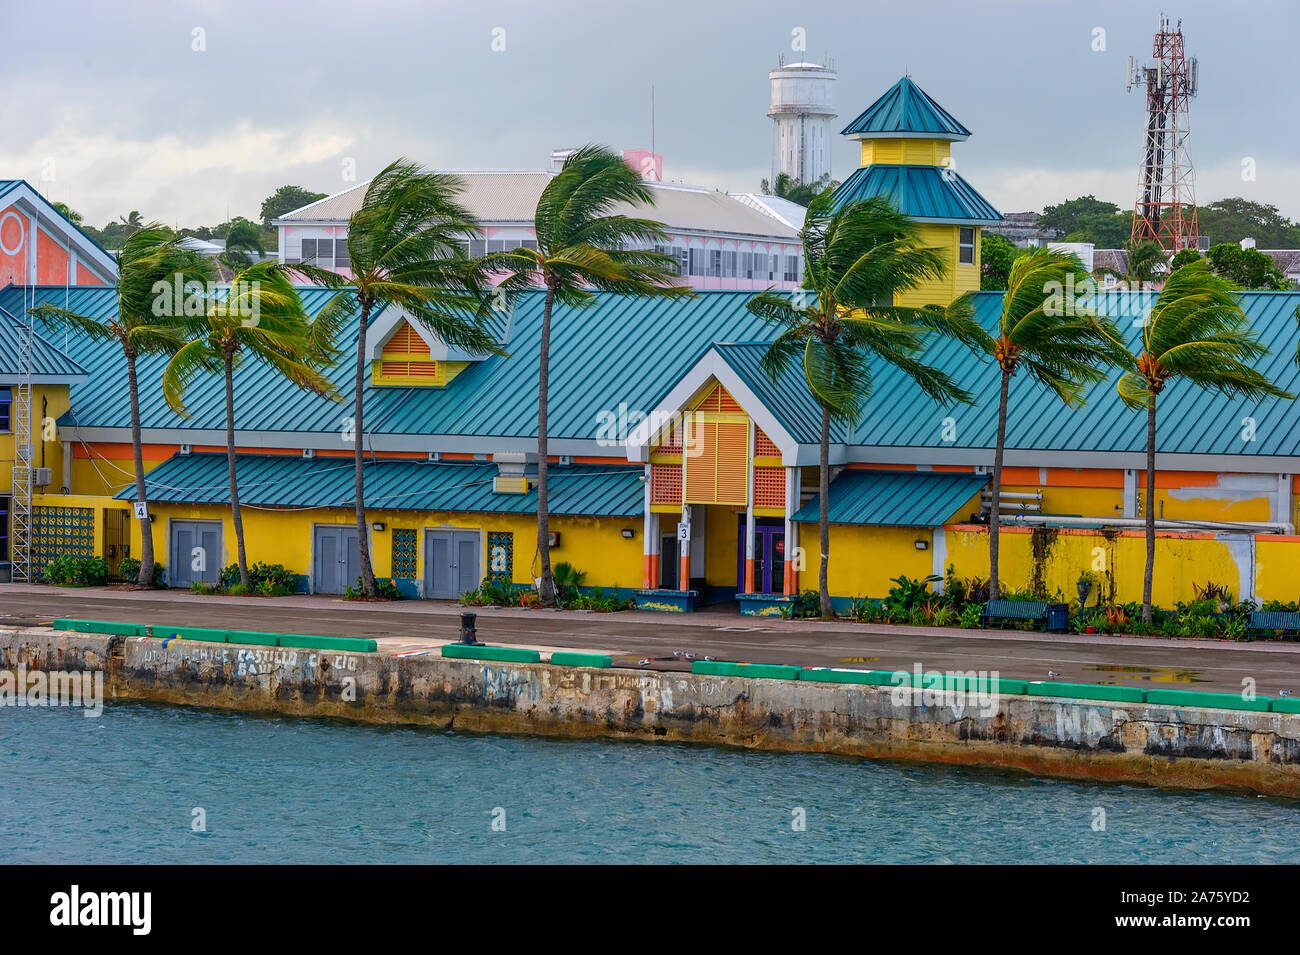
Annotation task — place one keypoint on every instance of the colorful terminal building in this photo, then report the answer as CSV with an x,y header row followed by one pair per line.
x,y
681,474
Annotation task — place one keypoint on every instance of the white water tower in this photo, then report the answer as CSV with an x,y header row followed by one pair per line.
x,y
802,110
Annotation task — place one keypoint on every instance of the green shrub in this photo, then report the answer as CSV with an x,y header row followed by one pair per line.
x,y
490,593
970,616
272,580
864,609
203,587
385,589
77,571
806,604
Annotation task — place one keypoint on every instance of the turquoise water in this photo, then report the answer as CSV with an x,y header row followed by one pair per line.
x,y
122,789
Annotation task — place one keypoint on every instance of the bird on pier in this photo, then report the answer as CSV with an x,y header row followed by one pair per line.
x,y
1284,693
1052,674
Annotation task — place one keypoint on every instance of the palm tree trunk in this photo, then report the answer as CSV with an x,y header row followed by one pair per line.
x,y
824,515
994,510
358,432
546,587
235,517
145,577
1148,575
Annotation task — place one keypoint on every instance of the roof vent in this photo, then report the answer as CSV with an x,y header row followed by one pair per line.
x,y
511,477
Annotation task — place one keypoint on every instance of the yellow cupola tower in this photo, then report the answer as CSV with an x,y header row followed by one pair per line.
x,y
906,155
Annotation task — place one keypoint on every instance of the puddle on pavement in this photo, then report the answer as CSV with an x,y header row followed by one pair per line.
x,y
858,660
1151,674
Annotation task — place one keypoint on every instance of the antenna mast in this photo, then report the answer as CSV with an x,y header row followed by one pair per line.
x,y
1165,211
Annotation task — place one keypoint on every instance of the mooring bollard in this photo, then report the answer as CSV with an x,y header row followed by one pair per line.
x,y
468,634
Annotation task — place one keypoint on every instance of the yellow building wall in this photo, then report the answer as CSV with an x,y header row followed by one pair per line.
x,y
721,547
48,403
906,151
863,559
1175,500
957,278
1051,561
1277,567
274,536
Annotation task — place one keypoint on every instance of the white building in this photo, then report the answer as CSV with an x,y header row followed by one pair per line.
x,y
802,110
719,241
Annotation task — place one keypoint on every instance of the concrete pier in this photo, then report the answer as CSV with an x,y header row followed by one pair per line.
x,y
1163,745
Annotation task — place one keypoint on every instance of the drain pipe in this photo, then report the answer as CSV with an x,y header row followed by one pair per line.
x,y
1225,527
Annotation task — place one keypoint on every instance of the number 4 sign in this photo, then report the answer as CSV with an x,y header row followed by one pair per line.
x,y
141,509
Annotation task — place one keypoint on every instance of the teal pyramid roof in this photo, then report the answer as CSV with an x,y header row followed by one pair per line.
x,y
906,110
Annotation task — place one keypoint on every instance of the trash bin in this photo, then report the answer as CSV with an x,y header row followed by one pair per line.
x,y
1058,618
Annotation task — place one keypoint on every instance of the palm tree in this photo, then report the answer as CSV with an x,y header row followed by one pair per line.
x,y
1061,345
1146,263
1197,332
856,257
262,318
407,249
131,223
581,248
150,319
242,238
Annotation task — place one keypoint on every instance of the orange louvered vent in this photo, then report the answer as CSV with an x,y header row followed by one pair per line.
x,y
769,487
763,446
672,443
665,484
717,468
720,400
407,343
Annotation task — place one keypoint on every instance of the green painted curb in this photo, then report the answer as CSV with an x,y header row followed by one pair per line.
x,y
460,651
1012,687
347,644
832,675
191,633
1286,706
600,661
253,638
760,671
101,626
1217,701
1088,691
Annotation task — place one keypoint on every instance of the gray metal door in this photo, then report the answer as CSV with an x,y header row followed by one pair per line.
x,y
451,563
337,562
194,553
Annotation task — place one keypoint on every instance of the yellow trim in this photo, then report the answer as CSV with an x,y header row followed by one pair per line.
x,y
769,512
767,462
444,372
909,152
665,509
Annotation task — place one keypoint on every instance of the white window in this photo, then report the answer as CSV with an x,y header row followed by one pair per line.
x,y
966,245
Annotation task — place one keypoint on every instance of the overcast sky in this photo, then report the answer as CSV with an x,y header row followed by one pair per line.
x,y
110,108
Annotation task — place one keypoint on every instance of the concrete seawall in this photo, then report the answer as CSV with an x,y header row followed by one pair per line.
x,y
1176,746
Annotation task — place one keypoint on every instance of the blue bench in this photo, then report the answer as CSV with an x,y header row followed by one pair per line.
x,y
1268,622
1054,617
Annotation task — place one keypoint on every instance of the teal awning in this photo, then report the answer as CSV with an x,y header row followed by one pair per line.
x,y
281,480
896,498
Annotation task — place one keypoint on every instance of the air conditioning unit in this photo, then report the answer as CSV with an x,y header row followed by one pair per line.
x,y
41,477
309,453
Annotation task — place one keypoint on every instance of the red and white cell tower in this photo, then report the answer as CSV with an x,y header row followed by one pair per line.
x,y
1166,201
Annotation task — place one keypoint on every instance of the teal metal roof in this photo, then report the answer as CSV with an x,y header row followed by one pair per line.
x,y
280,480
895,498
621,351
49,364
906,110
634,352
787,398
922,192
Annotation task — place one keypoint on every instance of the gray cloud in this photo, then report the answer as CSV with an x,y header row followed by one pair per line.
x,y
134,118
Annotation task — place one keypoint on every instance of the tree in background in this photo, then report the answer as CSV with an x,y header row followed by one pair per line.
x,y
1089,219
1196,331
786,186
996,255
856,258
1183,257
72,215
583,244
1145,263
1246,268
285,200
243,241
145,323
1235,218
1043,330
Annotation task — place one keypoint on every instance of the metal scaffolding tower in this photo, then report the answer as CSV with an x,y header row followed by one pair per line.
x,y
20,502
1165,212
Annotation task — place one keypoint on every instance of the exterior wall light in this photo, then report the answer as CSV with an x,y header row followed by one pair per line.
x,y
922,545
628,533
378,526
